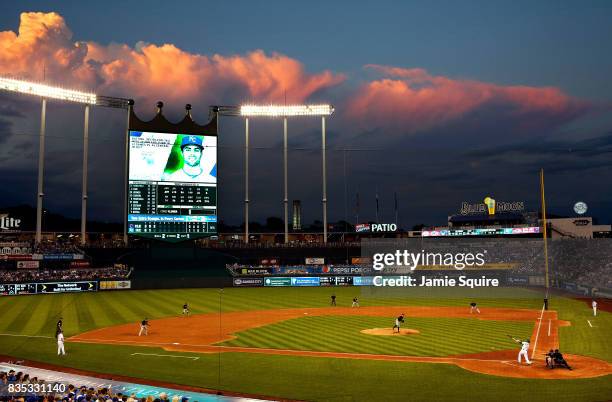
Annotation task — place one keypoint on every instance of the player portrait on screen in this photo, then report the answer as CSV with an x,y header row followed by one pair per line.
x,y
192,161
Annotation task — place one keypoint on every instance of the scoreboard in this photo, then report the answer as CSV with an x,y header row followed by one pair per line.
x,y
172,192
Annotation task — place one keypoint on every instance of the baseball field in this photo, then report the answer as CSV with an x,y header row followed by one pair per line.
x,y
290,343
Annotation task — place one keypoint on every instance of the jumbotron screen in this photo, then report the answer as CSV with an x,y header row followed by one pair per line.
x,y
172,192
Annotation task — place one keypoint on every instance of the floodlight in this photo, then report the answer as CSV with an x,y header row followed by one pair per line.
x,y
46,91
285,111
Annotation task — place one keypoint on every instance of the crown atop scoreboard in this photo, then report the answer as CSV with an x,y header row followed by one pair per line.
x,y
160,124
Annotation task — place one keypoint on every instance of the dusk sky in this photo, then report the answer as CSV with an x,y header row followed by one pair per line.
x,y
440,102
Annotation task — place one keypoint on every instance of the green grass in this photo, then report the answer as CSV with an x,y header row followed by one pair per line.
x,y
299,377
438,336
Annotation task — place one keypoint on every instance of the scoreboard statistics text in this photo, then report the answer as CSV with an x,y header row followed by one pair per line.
x,y
172,192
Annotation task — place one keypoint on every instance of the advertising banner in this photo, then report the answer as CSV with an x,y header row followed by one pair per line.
x,y
327,281
115,285
255,271
362,227
305,281
315,261
65,287
363,281
28,264
277,281
79,264
518,280
249,282
23,257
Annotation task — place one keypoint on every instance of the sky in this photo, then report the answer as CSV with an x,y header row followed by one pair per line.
x,y
439,102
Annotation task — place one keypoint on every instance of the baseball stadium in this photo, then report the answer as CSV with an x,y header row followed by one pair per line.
x,y
136,268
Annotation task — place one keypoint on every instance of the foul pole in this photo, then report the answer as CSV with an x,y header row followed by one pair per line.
x,y
545,232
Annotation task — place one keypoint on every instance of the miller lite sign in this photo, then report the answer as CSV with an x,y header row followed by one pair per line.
x,y
9,223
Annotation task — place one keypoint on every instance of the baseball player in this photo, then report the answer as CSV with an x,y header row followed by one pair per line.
x,y
398,321
550,356
355,302
594,305
144,327
333,300
186,309
60,343
524,350
559,360
474,307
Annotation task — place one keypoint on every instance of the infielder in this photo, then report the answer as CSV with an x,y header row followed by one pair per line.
x,y
474,307
60,343
594,304
186,309
524,350
355,302
398,321
144,327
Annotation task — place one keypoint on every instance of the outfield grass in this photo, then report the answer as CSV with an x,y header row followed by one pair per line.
x,y
438,336
289,376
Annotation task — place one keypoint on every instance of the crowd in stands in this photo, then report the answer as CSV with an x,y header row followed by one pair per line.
x,y
293,244
73,393
71,274
56,248
586,262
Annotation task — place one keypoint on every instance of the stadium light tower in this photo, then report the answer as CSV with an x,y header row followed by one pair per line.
x,y
67,95
284,111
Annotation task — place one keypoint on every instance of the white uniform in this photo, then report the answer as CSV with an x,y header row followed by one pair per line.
x,y
144,328
181,176
594,304
60,344
524,352
355,303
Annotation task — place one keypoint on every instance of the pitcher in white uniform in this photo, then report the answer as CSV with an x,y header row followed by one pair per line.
x,y
60,343
594,304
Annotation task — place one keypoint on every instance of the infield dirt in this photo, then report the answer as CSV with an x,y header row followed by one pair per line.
x,y
200,333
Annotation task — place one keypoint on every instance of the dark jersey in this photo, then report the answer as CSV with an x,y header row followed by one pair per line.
x,y
400,318
144,322
473,304
185,307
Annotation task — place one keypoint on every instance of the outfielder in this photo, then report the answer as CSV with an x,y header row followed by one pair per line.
x,y
60,343
186,309
474,307
524,350
144,327
594,304
398,321
355,302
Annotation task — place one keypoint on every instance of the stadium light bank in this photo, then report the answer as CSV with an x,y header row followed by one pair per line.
x,y
285,111
67,95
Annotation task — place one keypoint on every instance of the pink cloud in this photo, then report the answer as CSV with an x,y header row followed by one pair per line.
x,y
147,71
411,100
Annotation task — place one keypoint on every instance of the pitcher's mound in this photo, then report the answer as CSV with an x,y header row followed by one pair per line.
x,y
389,331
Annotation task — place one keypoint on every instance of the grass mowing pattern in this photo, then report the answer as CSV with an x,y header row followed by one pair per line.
x,y
289,376
438,337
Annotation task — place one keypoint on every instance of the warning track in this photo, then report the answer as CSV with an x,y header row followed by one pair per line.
x,y
200,333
